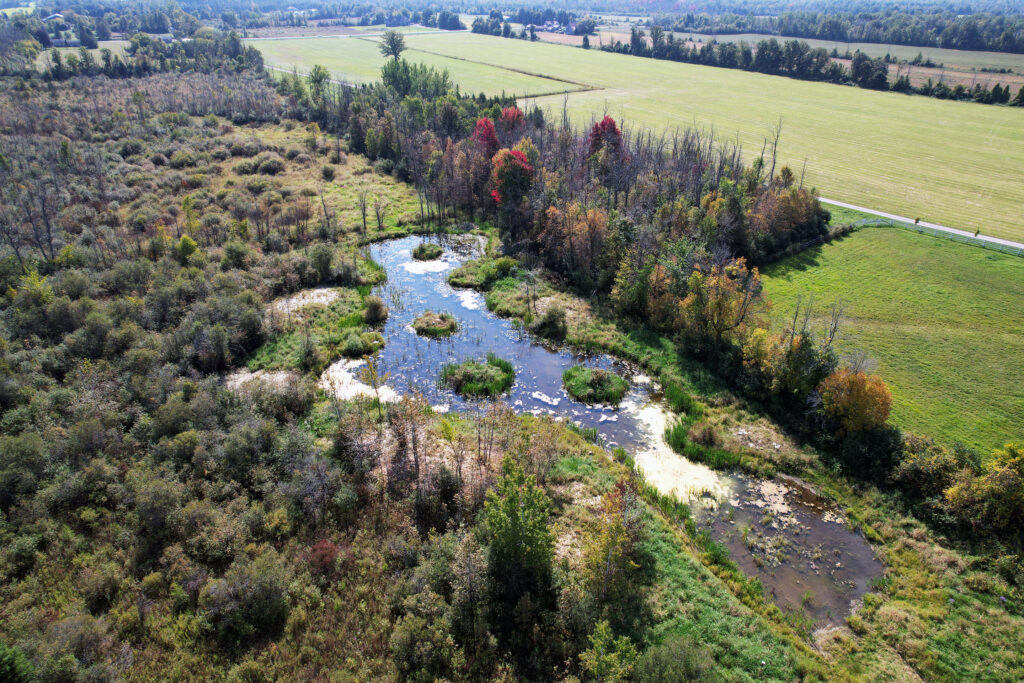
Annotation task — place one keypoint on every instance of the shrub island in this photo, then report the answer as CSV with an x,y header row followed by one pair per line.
x,y
593,385
376,312
430,324
474,378
427,251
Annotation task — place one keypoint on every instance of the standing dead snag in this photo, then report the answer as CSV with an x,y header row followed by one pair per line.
x,y
363,199
380,208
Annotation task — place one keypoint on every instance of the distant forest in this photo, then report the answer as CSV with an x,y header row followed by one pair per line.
x,y
926,28
982,25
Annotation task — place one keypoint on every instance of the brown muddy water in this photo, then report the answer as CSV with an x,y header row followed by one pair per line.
x,y
780,531
801,546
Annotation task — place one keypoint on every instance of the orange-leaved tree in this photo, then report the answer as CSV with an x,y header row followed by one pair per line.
x,y
857,400
720,303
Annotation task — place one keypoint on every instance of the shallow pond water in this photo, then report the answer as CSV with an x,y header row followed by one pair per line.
x,y
798,543
802,551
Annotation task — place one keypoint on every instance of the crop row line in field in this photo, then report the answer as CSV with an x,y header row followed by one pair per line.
x,y
583,87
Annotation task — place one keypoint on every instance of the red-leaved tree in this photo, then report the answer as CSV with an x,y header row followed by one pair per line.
x,y
511,175
511,119
485,136
605,134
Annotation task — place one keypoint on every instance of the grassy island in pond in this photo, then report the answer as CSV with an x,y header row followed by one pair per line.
x,y
592,385
482,273
427,251
474,378
430,324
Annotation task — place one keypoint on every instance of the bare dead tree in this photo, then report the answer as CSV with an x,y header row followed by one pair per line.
x,y
380,209
363,197
776,133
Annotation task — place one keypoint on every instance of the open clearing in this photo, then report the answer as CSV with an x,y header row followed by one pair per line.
x,y
953,163
22,9
116,47
943,321
356,60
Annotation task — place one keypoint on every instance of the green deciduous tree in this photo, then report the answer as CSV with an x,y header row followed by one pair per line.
x,y
609,659
515,527
392,44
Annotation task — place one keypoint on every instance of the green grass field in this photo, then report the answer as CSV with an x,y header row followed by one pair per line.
x,y
943,321
356,60
115,46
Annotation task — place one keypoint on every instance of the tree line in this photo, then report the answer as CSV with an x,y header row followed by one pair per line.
x,y
935,27
797,59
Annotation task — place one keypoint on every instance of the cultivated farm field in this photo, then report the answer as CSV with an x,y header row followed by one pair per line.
x,y
358,60
958,66
943,321
953,163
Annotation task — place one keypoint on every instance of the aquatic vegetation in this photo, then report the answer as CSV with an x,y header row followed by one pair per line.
x,y
427,251
593,385
475,378
430,324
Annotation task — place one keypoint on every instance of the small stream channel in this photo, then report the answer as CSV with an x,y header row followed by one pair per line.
x,y
779,531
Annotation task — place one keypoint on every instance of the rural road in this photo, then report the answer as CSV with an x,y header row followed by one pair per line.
x,y
933,226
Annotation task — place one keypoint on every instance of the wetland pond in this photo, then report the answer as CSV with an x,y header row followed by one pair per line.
x,y
780,531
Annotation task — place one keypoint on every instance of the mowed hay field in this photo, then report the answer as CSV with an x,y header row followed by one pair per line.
x,y
358,60
943,321
954,163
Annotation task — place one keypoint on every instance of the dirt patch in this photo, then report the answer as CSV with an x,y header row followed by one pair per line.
x,y
288,306
743,432
577,311
277,379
